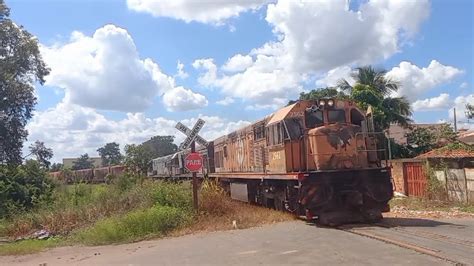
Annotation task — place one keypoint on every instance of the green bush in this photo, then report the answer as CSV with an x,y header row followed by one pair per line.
x,y
136,225
23,188
173,195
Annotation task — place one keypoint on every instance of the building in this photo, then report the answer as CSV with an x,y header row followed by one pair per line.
x,y
69,162
399,133
467,137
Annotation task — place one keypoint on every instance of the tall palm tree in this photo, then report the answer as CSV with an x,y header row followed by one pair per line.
x,y
369,76
394,109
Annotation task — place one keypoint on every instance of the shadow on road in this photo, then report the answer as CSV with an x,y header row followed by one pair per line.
x,y
390,222
414,222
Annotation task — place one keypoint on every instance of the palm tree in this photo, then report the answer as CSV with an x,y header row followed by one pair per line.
x,y
375,82
369,76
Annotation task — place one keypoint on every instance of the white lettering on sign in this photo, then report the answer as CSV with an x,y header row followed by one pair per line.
x,y
192,134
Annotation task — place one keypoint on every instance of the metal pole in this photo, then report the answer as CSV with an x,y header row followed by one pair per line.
x,y
195,184
455,121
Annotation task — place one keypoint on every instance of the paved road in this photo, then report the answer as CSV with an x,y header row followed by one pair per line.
x,y
283,243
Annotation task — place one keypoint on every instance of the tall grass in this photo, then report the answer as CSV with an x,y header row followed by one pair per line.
x,y
80,205
136,225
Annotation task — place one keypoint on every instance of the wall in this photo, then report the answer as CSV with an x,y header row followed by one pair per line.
x,y
470,183
397,175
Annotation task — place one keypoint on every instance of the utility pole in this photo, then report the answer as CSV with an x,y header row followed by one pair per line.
x,y
455,121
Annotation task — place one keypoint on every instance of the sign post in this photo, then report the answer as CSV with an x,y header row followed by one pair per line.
x,y
193,161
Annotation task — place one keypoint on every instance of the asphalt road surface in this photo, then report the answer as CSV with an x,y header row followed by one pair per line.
x,y
397,241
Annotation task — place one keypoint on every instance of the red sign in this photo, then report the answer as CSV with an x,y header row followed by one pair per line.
x,y
193,162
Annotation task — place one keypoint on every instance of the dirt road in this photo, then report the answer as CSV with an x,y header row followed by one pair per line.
x,y
410,241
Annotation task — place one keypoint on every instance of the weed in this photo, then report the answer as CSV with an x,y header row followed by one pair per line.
x,y
28,246
173,194
136,225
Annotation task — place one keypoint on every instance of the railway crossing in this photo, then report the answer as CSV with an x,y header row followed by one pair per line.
x,y
193,161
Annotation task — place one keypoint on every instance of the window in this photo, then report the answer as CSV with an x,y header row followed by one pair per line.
x,y
225,151
295,127
336,116
259,132
219,159
314,118
356,117
275,134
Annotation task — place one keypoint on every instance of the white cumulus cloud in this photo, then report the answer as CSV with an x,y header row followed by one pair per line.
x,y
181,99
71,130
226,101
104,71
237,63
314,37
436,103
322,35
210,12
415,80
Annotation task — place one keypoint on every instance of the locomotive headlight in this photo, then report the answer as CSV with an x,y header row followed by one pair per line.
x,y
331,103
322,103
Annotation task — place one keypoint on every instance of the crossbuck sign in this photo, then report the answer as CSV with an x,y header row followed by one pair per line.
x,y
192,134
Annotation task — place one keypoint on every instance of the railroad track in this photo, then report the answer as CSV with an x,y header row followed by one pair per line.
x,y
408,239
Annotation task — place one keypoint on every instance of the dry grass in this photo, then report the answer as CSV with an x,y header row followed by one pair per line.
x,y
218,212
79,206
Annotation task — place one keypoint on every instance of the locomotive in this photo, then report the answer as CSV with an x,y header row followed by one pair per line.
x,y
315,158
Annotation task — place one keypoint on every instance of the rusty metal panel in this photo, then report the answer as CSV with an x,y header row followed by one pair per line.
x,y
277,159
416,178
239,191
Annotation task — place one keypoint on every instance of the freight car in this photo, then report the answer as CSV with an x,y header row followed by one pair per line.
x,y
319,159
95,175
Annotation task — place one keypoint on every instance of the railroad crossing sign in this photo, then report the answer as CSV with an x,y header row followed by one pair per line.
x,y
192,134
193,162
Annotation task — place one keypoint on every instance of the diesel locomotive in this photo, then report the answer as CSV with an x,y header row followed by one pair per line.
x,y
318,159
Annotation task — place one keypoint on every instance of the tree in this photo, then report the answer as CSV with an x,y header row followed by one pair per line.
x,y
21,66
42,153
137,159
160,146
469,111
56,167
424,139
373,88
321,93
23,187
110,154
83,162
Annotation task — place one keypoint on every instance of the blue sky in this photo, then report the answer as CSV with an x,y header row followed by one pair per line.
x,y
279,49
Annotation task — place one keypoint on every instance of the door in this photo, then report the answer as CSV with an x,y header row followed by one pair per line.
x,y
416,179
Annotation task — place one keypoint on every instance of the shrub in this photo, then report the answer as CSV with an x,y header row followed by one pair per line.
x,y
173,195
23,188
214,199
136,225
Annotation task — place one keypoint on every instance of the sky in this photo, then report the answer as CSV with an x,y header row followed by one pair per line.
x,y
127,70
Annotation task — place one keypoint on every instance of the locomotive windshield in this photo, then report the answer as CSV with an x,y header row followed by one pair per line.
x,y
336,116
314,118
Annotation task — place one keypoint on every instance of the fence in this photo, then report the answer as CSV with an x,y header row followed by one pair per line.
x,y
410,178
459,183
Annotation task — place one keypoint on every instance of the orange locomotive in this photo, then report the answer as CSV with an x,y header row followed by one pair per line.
x,y
314,158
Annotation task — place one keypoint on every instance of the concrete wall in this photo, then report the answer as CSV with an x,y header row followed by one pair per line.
x,y
397,175
459,183
470,183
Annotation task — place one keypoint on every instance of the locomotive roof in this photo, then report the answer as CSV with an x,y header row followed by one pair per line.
x,y
281,114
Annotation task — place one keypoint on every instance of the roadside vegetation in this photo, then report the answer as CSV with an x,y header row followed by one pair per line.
x,y
130,209
425,204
